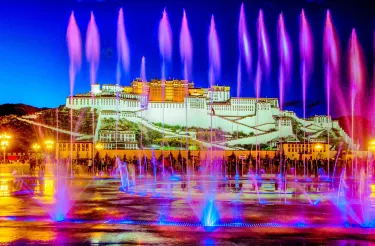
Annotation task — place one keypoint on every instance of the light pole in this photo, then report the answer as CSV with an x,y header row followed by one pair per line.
x,y
4,142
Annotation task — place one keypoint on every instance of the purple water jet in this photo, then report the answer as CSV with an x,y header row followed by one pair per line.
x,y
143,69
165,40
92,56
92,48
357,77
331,63
244,40
165,48
213,54
306,49
186,48
264,56
73,37
186,53
285,57
122,47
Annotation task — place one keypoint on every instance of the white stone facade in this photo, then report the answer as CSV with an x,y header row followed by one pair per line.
x,y
259,118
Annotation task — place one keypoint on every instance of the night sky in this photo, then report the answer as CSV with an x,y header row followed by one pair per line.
x,y
34,58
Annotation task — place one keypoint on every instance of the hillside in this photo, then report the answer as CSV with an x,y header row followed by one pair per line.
x,y
18,109
26,132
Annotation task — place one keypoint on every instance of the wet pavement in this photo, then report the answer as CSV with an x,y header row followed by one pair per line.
x,y
170,213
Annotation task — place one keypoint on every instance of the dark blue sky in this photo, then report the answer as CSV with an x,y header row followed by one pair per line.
x,y
34,58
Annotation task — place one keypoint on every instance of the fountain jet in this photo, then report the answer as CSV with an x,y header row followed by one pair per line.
x,y
73,38
306,50
264,56
93,56
165,40
285,56
165,48
143,69
357,78
122,47
213,54
93,48
331,63
186,53
186,48
244,40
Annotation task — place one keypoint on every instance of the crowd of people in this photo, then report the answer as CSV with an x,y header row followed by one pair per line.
x,y
226,165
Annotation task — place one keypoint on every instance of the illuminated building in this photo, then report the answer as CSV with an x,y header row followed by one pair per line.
x,y
297,150
80,149
112,139
179,103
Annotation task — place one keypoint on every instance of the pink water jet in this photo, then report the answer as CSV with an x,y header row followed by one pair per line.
x,y
357,79
332,63
143,69
165,38
306,49
285,57
73,38
186,48
92,48
264,56
244,40
213,54
356,66
372,95
123,52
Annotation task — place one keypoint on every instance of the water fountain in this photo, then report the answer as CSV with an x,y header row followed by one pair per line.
x,y
215,199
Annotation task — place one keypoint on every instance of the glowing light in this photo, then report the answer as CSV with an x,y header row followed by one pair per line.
x,y
49,144
99,146
36,147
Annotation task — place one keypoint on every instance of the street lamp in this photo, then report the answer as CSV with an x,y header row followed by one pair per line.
x,y
318,148
49,145
36,147
99,147
372,145
4,142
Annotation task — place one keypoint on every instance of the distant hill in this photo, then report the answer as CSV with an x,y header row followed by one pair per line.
x,y
18,109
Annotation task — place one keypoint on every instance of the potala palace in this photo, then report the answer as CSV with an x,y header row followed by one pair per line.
x,y
178,102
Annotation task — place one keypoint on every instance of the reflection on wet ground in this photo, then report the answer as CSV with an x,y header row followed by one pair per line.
x,y
161,213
